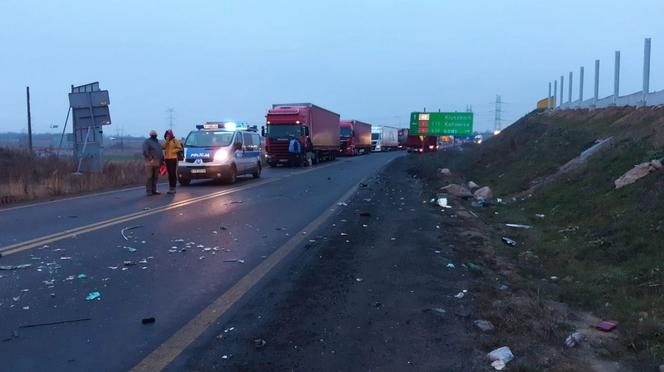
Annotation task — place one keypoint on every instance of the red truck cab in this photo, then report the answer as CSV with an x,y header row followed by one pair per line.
x,y
422,144
316,128
355,137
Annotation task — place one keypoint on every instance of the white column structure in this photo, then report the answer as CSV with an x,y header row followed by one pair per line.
x,y
596,98
646,71
616,79
581,85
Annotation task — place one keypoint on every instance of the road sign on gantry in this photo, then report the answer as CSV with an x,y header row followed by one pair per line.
x,y
441,123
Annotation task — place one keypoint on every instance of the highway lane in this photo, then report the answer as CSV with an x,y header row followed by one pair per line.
x,y
177,264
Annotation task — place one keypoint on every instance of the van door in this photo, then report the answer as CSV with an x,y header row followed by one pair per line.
x,y
249,152
238,152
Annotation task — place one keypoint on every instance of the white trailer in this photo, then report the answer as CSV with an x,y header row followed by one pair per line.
x,y
384,138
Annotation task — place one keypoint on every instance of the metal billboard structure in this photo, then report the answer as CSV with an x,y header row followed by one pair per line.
x,y
89,108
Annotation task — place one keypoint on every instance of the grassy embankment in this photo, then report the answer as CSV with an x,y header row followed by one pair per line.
x,y
25,177
605,245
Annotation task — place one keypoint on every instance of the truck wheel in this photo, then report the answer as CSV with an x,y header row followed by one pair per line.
x,y
316,157
257,172
185,181
232,176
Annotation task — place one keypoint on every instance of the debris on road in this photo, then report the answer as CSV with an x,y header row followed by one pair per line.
x,y
451,266
457,190
445,171
484,325
54,323
518,226
15,267
125,229
461,294
574,339
82,276
509,241
442,202
259,343
500,357
607,325
235,260
93,296
149,320
473,185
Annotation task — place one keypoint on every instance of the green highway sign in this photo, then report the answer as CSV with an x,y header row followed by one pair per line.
x,y
441,123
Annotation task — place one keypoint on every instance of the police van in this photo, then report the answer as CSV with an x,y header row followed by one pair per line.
x,y
221,150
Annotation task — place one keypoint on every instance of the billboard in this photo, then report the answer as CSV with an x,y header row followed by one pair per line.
x,y
89,108
441,123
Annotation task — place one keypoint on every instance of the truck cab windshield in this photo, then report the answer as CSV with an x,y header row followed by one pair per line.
x,y
345,133
375,136
283,132
208,139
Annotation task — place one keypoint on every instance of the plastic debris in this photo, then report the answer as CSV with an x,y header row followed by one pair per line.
x,y
607,325
451,266
517,226
574,339
54,323
484,325
359,280
539,215
124,230
442,202
82,276
93,296
130,249
343,234
259,343
64,258
15,267
461,294
483,193
500,357
150,320
342,204
509,241
235,260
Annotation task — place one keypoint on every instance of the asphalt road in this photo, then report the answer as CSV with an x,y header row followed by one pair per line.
x,y
188,252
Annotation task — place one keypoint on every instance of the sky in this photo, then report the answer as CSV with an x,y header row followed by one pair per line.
x,y
369,60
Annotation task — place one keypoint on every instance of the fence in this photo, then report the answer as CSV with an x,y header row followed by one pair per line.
x,y
556,98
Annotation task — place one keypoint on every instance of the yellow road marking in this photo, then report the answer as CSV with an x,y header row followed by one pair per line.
x,y
161,357
48,239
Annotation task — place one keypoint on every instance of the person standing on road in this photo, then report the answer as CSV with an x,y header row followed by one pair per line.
x,y
172,154
294,150
153,157
309,152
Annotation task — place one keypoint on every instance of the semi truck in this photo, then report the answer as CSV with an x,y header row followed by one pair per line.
x,y
403,137
384,138
422,144
316,128
355,137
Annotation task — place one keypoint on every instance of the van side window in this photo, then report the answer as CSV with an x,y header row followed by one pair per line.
x,y
248,143
238,138
256,140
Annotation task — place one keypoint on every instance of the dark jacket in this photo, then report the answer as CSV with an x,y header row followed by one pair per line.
x,y
152,152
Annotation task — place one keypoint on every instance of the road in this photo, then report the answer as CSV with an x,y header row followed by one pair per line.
x,y
190,258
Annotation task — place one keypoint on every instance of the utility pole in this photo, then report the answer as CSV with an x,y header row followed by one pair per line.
x,y
498,117
170,117
27,93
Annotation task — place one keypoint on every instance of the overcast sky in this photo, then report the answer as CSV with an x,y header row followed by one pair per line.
x,y
371,60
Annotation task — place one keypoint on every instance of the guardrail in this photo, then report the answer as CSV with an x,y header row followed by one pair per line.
x,y
556,97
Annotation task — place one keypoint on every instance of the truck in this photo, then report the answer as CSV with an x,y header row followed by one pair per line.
x,y
384,138
403,137
355,137
422,144
316,128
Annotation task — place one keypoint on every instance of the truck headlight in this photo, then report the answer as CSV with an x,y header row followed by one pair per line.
x,y
221,156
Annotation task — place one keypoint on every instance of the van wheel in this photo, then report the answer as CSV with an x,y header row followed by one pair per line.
x,y
257,172
232,177
185,181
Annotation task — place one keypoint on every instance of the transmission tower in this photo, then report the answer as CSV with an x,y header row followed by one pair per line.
x,y
498,115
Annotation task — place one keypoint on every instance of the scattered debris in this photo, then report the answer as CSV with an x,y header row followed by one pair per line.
x,y
607,325
639,171
500,357
359,280
439,310
445,172
93,296
54,323
235,260
365,214
64,258
509,241
461,294
442,202
149,320
125,229
451,266
129,263
574,339
15,267
483,193
517,226
539,215
259,343
457,190
473,185
484,325
82,276
342,204
343,234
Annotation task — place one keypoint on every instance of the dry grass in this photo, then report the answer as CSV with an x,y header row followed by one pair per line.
x,y
26,177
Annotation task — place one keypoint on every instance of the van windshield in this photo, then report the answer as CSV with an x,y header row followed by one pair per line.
x,y
282,132
208,139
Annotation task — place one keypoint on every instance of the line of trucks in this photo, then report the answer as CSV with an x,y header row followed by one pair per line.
x,y
323,133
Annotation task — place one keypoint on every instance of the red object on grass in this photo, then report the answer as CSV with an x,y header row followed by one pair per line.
x,y
607,325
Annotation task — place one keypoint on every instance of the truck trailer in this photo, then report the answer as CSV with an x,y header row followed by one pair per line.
x,y
384,138
422,144
316,128
403,137
355,138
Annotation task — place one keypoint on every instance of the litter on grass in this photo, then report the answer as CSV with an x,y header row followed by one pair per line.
x,y
500,357
574,339
517,226
607,325
509,241
451,266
